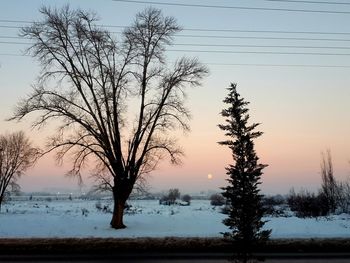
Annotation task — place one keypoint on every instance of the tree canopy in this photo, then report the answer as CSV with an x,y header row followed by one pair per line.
x,y
117,100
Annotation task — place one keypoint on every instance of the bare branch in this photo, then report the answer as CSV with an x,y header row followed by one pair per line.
x,y
16,156
88,82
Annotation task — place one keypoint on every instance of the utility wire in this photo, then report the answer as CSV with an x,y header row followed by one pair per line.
x,y
279,65
12,37
265,31
258,46
5,26
14,43
242,64
15,21
202,29
237,64
254,37
308,2
235,37
13,55
259,52
219,45
248,52
266,38
235,7
243,37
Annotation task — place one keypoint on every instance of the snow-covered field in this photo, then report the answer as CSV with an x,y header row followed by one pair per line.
x,y
81,218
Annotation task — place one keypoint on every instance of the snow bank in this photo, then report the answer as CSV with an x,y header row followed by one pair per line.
x,y
146,219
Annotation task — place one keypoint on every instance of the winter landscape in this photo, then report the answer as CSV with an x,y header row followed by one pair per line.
x,y
130,102
147,218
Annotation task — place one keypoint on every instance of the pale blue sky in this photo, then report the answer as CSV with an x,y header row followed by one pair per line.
x,y
303,110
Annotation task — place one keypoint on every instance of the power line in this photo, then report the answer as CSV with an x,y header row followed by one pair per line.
x,y
14,43
11,37
236,52
309,2
5,26
266,38
235,7
279,65
248,31
222,45
259,52
265,31
14,21
13,55
256,37
241,37
239,64
259,46
202,29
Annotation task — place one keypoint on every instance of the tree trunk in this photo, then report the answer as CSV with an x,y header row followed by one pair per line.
x,y
118,210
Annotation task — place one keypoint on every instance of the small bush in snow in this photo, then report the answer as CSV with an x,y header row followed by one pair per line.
x,y
187,199
173,195
98,206
106,209
306,204
274,205
344,198
164,200
217,200
84,212
170,198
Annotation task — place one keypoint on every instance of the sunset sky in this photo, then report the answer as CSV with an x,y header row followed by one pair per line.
x,y
300,93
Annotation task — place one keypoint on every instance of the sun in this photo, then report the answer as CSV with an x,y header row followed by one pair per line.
x,y
210,176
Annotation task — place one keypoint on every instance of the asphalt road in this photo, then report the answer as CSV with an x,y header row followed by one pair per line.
x,y
178,258
309,260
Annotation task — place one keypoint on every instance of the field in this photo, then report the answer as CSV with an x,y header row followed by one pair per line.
x,y
146,218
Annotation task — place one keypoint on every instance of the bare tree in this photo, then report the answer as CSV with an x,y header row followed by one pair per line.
x,y
95,85
330,188
186,198
16,156
173,194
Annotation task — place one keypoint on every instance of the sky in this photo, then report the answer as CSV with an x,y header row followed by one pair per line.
x,y
299,93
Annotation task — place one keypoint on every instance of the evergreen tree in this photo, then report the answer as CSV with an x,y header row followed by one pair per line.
x,y
244,201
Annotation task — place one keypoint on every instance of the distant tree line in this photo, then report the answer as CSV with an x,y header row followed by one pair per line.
x,y
172,196
332,197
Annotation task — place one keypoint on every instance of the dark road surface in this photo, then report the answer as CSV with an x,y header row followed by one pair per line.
x,y
190,261
179,258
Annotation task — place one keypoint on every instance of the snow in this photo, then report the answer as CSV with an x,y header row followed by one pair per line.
x,y
146,218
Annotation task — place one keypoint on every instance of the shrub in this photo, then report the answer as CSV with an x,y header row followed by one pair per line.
x,y
186,198
164,200
274,205
170,198
173,195
344,197
273,200
306,204
98,205
84,212
217,200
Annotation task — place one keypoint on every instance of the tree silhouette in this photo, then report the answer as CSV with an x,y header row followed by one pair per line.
x,y
331,189
95,85
16,156
244,202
